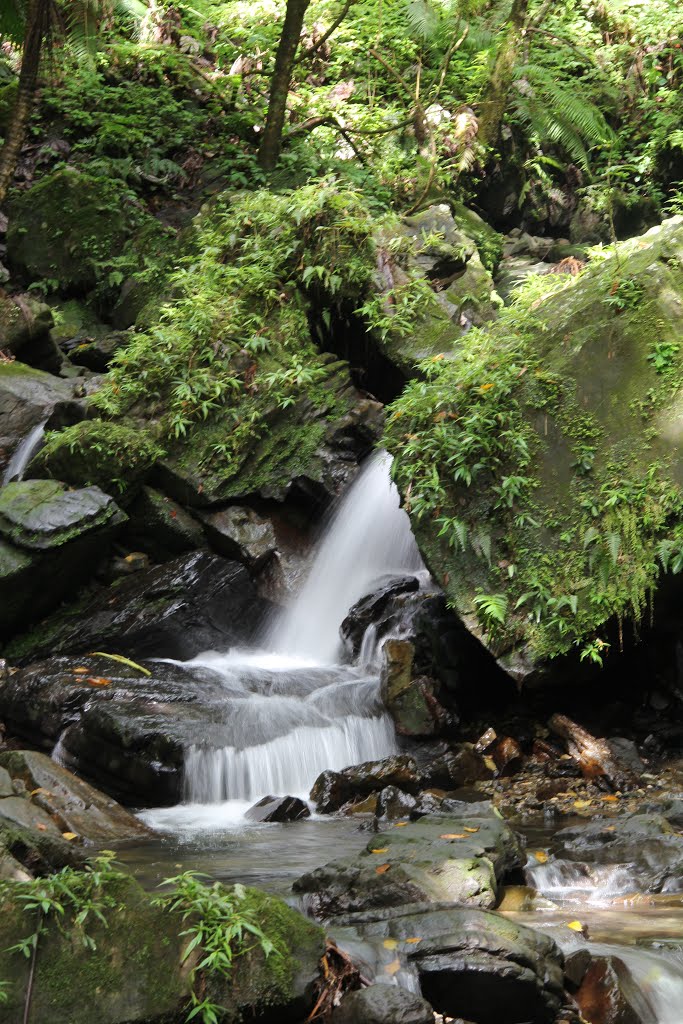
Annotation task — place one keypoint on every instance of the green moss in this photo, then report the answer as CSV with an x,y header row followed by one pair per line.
x,y
533,488
112,456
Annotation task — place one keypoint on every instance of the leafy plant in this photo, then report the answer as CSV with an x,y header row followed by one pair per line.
x,y
662,356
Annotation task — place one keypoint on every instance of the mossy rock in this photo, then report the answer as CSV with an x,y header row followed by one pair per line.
x,y
97,453
541,458
67,228
22,319
136,973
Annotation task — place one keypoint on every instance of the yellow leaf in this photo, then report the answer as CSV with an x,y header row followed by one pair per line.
x,y
80,671
413,941
437,359
382,869
390,943
575,926
69,835
401,824
453,835
490,763
382,850
98,681
39,790
610,799
486,387
471,829
123,661
393,968
580,804
541,856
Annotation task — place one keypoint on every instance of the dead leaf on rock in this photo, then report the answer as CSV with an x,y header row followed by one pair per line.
x,y
382,869
453,835
69,835
383,849
541,856
393,968
390,943
98,681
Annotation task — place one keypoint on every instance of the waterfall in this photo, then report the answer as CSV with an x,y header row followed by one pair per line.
x,y
367,536
290,710
23,454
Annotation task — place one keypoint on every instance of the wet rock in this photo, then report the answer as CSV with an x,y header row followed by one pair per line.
x,y
460,860
280,809
471,964
393,803
29,397
142,941
43,514
608,994
50,541
242,534
413,702
647,846
97,353
194,603
508,756
370,609
383,1004
333,789
456,768
23,321
161,527
72,804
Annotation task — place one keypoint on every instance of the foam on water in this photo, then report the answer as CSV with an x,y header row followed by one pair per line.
x,y
23,454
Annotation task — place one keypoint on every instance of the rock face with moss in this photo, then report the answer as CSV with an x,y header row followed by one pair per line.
x,y
49,538
135,971
540,460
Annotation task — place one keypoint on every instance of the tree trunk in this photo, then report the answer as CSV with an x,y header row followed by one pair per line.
x,y
271,142
37,23
495,98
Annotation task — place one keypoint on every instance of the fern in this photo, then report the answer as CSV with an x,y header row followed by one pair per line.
x,y
557,115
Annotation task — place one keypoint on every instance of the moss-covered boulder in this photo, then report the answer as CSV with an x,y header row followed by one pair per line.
x,y
113,456
71,227
132,969
540,459
23,319
50,542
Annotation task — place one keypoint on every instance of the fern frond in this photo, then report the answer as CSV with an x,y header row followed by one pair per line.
x,y
422,18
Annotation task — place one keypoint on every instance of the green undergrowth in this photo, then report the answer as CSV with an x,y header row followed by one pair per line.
x,y
538,462
109,455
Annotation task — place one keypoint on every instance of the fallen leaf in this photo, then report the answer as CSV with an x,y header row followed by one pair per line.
x,y
69,835
541,856
490,763
81,670
471,829
98,681
382,869
575,926
383,849
610,799
580,804
42,828
453,835
413,941
393,968
390,943
401,824
486,387
39,790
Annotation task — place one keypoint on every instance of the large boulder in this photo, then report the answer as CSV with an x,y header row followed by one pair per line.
x,y
194,603
50,538
383,1004
469,964
135,972
541,458
455,859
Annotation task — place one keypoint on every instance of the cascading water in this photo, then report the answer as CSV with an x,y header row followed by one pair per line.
x,y
23,454
367,536
292,710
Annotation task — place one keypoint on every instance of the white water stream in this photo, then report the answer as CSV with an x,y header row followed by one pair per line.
x,y
294,709
23,454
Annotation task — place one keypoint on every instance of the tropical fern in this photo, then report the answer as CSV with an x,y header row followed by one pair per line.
x,y
557,115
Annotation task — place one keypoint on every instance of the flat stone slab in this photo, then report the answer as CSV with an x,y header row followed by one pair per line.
x,y
42,514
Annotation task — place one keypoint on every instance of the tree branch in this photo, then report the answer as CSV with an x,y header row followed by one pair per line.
x,y
326,35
